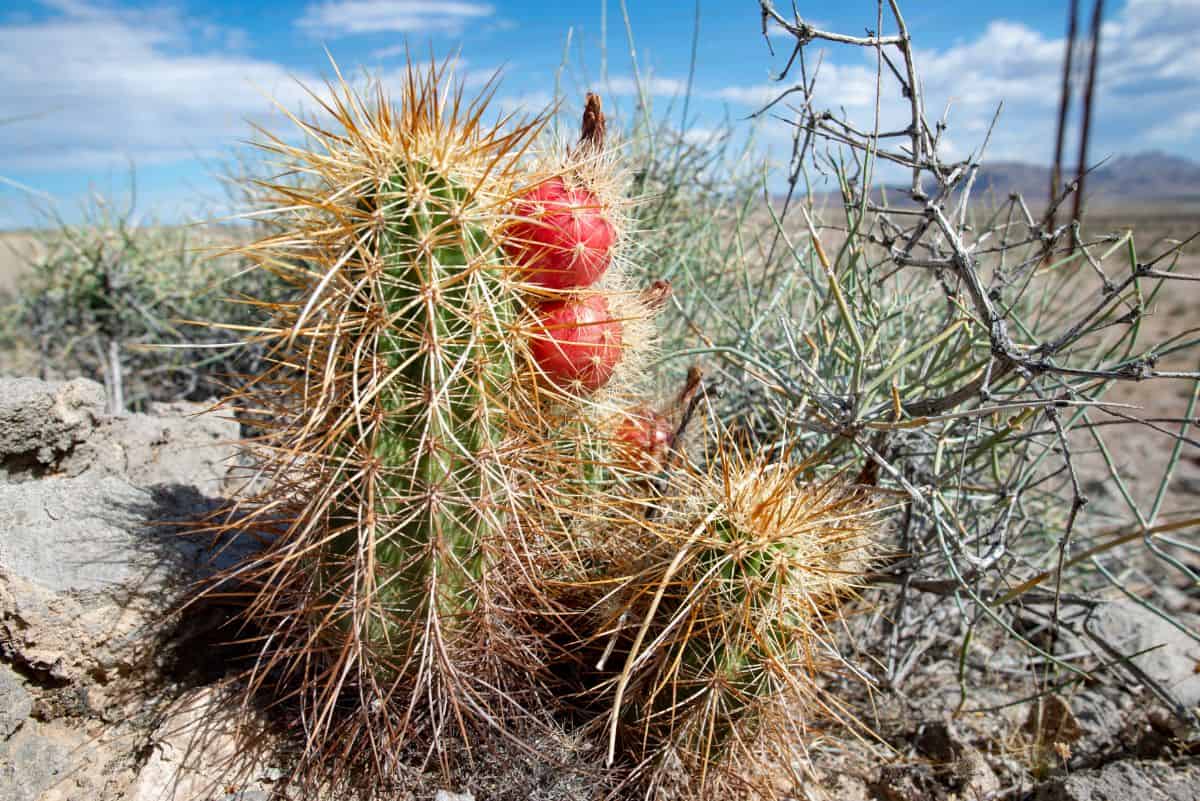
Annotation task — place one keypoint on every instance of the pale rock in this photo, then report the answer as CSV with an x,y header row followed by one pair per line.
x,y
15,703
1164,653
85,568
42,421
199,753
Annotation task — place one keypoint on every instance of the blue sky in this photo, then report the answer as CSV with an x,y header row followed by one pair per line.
x,y
92,87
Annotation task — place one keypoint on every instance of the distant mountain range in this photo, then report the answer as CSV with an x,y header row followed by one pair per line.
x,y
1141,179
1152,175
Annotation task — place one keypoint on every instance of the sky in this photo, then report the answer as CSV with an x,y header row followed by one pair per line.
x,y
108,98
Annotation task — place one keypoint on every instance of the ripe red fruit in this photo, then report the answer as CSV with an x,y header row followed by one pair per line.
x,y
643,437
577,343
563,239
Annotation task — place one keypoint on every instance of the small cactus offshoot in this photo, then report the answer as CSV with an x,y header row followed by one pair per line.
x,y
716,622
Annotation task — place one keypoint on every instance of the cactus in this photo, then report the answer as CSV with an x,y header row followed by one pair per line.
x,y
714,625
413,441
454,460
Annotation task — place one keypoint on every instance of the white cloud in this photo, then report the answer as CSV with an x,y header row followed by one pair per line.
x,y
849,86
1184,127
778,32
1147,87
392,51
335,18
651,85
702,136
90,86
457,69
458,72
759,95
1009,62
530,103
97,87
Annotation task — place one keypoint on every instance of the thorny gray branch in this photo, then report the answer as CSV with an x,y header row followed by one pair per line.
x,y
1036,374
950,251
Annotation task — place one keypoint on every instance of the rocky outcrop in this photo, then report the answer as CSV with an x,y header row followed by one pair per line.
x,y
93,566
41,422
61,430
1158,651
86,567
1123,781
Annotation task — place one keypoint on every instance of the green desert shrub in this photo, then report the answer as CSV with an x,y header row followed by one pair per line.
x,y
115,300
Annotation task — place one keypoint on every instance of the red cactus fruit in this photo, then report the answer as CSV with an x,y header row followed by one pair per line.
x,y
563,239
577,343
643,437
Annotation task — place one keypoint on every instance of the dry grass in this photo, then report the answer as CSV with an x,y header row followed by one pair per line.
x,y
17,251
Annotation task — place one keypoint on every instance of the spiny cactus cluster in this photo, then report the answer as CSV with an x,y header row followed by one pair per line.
x,y
478,522
724,619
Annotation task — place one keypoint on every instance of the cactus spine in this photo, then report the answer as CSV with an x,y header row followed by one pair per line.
x,y
416,459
